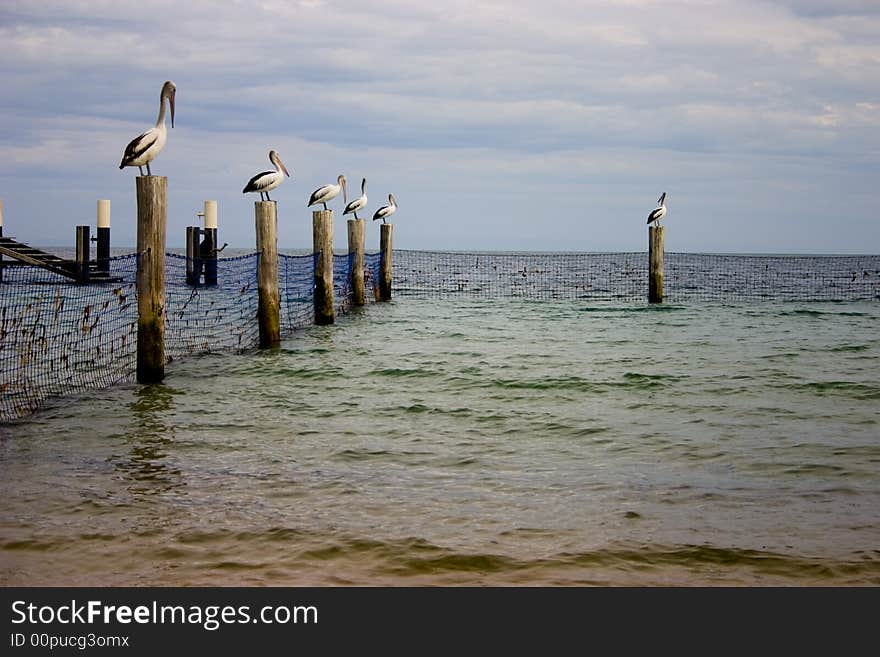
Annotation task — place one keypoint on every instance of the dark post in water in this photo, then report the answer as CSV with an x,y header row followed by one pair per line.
x,y
208,249
83,251
1,235
655,264
385,266
152,193
269,304
356,233
193,262
102,251
322,240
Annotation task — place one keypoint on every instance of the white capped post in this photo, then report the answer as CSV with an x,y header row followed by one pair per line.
x,y
210,214
102,254
103,213
208,249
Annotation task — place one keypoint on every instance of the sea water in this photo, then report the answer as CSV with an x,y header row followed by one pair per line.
x,y
472,441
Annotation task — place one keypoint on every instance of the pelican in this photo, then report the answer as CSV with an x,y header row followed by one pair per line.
x,y
659,212
359,202
266,181
327,192
144,148
386,210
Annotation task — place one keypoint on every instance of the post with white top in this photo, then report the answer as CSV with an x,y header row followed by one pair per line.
x,y
152,193
385,265
655,264
268,301
322,241
208,248
102,252
356,233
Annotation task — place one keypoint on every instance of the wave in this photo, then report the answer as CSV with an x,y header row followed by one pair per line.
x,y
862,391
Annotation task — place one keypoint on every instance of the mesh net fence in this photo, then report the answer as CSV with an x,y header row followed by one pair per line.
x,y
58,337
209,318
296,288
624,276
372,262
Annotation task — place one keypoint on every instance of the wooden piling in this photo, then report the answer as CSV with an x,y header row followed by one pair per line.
x,y
102,251
152,193
322,240
1,235
385,266
83,252
269,303
356,233
655,264
208,248
193,270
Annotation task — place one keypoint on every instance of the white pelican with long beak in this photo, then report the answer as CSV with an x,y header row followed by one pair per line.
x,y
386,210
327,192
659,212
359,202
266,181
144,148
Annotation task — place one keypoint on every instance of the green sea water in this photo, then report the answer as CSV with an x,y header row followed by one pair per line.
x,y
461,441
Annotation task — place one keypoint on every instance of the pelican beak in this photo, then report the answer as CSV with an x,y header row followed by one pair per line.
x,y
283,168
171,105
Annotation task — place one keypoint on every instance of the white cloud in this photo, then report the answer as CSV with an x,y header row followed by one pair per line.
x,y
492,101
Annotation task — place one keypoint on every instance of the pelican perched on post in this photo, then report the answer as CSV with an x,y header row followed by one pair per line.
x,y
327,192
359,202
386,210
266,181
144,148
659,212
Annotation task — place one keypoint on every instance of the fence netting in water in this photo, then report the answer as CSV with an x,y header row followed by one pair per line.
x,y
708,277
207,318
624,276
57,337
297,286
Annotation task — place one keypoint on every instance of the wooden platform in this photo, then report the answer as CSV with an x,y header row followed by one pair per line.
x,y
28,255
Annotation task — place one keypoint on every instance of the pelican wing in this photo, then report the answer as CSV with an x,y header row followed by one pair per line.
x,y
259,182
656,213
382,212
138,146
319,194
355,205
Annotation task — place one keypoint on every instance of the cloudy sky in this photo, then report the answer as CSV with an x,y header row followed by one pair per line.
x,y
530,125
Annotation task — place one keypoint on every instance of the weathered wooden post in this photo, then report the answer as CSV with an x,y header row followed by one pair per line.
x,y
83,251
356,232
385,265
193,270
208,249
102,251
152,193
655,264
269,304
322,240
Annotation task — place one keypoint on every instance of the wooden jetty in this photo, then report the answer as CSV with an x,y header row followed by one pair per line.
x,y
72,269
